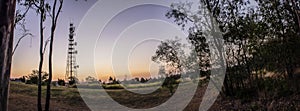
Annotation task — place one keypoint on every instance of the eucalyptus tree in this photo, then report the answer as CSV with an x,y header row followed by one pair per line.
x,y
259,35
283,33
47,10
7,15
170,54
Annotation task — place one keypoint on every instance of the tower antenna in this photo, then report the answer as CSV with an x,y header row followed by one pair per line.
x,y
71,69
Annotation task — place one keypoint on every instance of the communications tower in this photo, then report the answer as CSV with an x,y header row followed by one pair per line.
x,y
71,69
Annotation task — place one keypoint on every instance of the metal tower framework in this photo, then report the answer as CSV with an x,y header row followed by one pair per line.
x,y
71,69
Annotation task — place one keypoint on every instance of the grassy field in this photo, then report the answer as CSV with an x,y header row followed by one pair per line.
x,y
23,98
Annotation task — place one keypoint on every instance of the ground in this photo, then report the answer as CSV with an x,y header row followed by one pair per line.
x,y
23,98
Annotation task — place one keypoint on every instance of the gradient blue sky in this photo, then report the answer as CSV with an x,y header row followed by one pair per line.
x,y
125,23
26,57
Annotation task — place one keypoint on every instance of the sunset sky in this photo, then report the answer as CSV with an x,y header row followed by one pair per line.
x,y
123,48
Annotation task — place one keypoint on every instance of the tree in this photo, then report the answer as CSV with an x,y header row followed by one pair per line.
x,y
45,10
33,77
143,80
91,79
25,33
41,9
161,71
256,38
73,80
203,30
54,17
170,53
282,20
61,82
20,21
7,13
22,79
110,79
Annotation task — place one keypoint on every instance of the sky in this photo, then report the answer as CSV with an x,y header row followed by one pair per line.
x,y
122,46
26,57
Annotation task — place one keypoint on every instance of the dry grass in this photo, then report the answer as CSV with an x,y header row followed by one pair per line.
x,y
23,98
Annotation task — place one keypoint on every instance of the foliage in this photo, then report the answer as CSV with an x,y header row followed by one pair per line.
x,y
73,80
171,83
91,80
258,39
22,79
170,52
113,81
61,82
33,77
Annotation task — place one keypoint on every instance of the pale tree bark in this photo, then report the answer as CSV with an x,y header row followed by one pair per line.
x,y
7,14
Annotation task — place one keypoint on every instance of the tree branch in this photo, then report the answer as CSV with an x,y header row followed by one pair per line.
x,y
46,44
23,36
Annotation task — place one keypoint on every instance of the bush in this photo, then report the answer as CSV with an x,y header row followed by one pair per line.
x,y
61,82
113,86
33,77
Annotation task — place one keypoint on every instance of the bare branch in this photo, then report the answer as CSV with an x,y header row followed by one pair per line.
x,y
59,10
46,44
26,33
23,36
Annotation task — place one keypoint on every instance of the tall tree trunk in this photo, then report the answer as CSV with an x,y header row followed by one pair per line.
x,y
48,92
54,18
39,99
7,14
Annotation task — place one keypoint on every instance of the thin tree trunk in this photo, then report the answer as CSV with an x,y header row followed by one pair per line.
x,y
39,99
48,92
7,14
55,16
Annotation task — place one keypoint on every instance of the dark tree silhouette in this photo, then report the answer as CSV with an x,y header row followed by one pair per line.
x,y
33,77
45,10
61,82
169,53
7,13
263,39
54,17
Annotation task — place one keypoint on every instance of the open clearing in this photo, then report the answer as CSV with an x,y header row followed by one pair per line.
x,y
23,98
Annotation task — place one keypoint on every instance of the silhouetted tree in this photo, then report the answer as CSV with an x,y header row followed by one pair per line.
x,y
33,77
261,39
143,80
110,79
22,79
41,8
72,80
170,53
45,10
54,14
91,79
7,15
61,82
